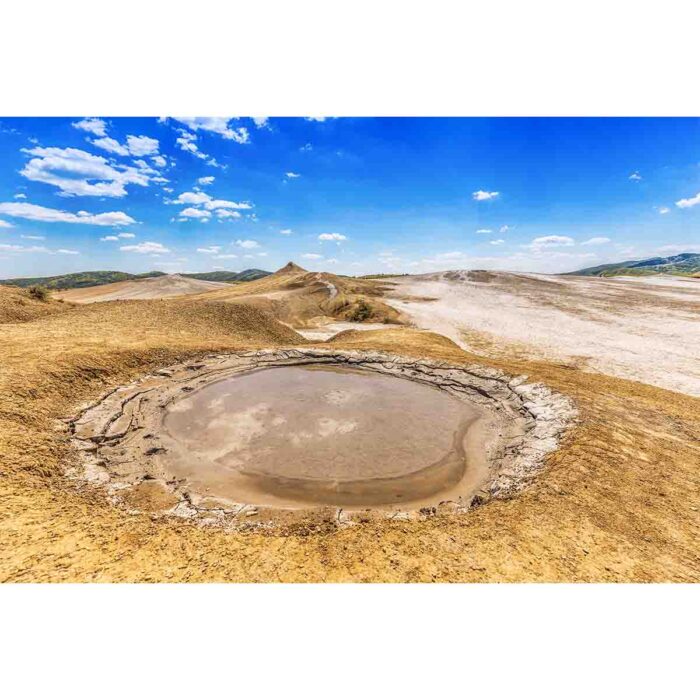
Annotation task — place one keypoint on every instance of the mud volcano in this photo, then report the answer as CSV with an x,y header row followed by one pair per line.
x,y
278,431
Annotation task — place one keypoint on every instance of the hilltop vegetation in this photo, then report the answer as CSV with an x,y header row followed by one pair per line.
x,y
76,280
95,278
227,276
685,264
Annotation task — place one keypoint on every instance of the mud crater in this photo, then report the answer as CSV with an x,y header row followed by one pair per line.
x,y
263,437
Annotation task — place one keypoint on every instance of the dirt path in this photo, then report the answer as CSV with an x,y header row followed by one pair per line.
x,y
634,328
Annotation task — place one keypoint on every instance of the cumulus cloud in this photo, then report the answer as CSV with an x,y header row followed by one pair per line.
x,y
5,224
247,244
337,237
34,212
596,240
135,146
206,204
20,195
690,202
635,176
504,229
193,213
261,122
664,210
206,180
76,172
306,147
550,242
92,125
482,196
142,145
216,125
291,175
159,161
148,247
109,238
286,231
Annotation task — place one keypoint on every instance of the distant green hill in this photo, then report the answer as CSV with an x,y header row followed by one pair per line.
x,y
685,264
226,276
78,279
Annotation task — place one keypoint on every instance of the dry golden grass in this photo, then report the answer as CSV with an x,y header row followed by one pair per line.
x,y
18,305
618,501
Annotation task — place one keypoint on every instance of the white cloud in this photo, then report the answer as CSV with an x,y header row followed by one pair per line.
x,y
481,196
160,161
216,125
206,180
187,142
192,213
33,238
34,212
596,240
112,145
687,203
77,172
306,147
317,119
498,241
635,176
126,235
484,230
109,238
664,210
92,125
145,248
338,237
331,261
312,256
142,145
192,198
227,214
20,195
13,248
247,244
225,256
211,250
286,231
5,224
261,122
550,242
290,175
504,229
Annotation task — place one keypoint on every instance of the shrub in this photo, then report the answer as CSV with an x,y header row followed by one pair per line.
x,y
361,312
38,292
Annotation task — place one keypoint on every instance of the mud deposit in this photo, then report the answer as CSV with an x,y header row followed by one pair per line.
x,y
327,435
259,434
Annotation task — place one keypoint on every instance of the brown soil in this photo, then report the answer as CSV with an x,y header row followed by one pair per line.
x,y
617,502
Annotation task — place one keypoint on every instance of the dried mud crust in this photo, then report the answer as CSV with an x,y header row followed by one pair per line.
x,y
118,441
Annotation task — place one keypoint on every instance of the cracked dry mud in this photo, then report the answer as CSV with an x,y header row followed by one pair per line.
x,y
130,448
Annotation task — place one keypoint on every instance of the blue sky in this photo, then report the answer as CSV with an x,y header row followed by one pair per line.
x,y
349,195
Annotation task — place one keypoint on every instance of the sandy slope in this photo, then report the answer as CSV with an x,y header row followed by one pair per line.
x,y
147,288
646,329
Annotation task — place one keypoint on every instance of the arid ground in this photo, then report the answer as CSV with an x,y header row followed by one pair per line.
x,y
618,501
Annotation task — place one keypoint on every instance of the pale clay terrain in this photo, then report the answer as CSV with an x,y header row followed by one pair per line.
x,y
645,329
162,287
